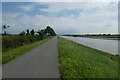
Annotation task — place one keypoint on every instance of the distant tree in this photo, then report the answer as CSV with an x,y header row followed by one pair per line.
x,y
104,34
87,35
8,26
22,33
43,32
40,32
4,27
5,33
109,34
50,31
27,32
32,32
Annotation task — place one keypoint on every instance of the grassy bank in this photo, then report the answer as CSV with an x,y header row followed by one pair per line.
x,y
78,61
0,58
14,53
99,36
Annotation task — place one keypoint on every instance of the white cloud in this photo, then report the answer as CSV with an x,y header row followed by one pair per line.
x,y
85,6
27,7
17,0
101,20
60,0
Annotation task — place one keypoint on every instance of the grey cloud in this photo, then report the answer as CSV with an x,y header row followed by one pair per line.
x,y
96,22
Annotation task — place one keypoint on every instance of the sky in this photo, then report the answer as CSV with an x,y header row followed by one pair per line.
x,y
60,0
63,17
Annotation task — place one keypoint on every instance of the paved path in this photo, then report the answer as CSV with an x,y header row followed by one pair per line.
x,y
0,57
41,62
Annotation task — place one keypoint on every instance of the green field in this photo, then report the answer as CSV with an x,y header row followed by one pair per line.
x,y
78,61
14,53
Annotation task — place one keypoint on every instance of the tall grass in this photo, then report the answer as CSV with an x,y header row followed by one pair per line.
x,y
78,61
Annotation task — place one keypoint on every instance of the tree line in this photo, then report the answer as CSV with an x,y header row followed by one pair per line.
x,y
48,31
10,41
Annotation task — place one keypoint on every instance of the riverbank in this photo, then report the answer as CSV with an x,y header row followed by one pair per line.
x,y
99,36
14,53
109,46
78,61
105,38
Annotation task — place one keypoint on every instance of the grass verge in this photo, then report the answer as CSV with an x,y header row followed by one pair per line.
x,y
14,53
0,58
78,61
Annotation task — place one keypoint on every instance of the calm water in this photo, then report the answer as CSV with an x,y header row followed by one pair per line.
x,y
110,46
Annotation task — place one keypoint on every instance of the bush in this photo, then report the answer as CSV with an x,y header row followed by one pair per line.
x,y
9,42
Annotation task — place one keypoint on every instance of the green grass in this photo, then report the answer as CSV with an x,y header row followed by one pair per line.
x,y
0,59
14,53
78,61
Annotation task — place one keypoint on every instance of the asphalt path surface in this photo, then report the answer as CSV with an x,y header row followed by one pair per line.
x,y
0,56
41,62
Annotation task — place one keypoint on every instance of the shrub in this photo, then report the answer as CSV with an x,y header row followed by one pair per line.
x,y
9,42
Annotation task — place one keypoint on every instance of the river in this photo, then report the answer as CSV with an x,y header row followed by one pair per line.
x,y
109,46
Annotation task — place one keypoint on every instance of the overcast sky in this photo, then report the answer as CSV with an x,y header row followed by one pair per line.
x,y
60,0
63,17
